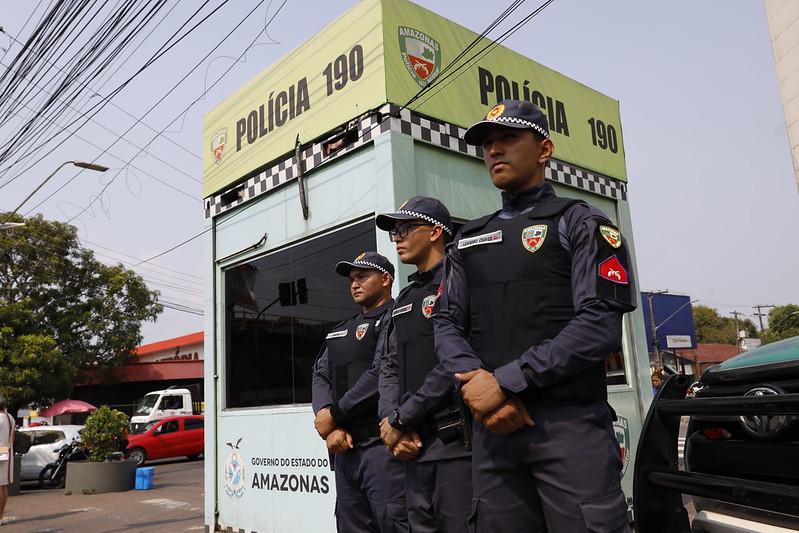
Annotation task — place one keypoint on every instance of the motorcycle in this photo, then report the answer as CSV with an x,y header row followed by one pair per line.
x,y
54,475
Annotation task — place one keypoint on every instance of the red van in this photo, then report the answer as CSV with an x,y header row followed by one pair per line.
x,y
168,437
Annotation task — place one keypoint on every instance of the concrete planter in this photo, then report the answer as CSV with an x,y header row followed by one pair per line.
x,y
113,476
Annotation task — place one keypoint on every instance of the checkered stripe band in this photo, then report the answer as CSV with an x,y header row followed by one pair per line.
x,y
422,216
282,172
544,133
372,266
391,117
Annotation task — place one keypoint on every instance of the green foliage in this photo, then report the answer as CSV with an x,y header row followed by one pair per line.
x,y
62,311
105,430
782,323
713,328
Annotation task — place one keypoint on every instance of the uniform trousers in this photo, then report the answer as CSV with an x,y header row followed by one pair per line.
x,y
370,491
439,494
560,476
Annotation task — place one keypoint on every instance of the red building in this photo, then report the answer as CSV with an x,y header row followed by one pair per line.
x,y
174,362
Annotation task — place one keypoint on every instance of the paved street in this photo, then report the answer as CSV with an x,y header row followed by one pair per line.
x,y
174,504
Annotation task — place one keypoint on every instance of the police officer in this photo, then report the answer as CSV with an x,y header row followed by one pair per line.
x,y
533,304
369,481
423,417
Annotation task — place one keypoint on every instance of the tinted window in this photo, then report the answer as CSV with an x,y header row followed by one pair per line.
x,y
193,423
47,437
279,308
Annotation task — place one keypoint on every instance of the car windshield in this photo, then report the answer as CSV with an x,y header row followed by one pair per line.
x,y
144,427
146,405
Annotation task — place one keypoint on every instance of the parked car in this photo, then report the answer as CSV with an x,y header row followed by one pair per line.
x,y
45,443
169,437
741,449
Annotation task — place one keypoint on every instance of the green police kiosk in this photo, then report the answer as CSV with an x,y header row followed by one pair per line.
x,y
296,164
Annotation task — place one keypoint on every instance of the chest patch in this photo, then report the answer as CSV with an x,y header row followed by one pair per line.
x,y
612,235
612,270
360,331
533,237
428,302
486,238
402,310
336,334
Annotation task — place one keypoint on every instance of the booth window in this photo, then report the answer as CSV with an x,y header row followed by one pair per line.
x,y
279,309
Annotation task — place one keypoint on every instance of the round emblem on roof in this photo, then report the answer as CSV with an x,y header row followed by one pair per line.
x,y
765,427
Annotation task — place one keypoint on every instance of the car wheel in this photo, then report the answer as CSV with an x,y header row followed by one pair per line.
x,y
49,481
138,455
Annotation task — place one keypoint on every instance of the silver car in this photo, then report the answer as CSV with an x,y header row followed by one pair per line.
x,y
45,443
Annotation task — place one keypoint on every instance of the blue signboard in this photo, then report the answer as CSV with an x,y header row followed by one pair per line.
x,y
674,321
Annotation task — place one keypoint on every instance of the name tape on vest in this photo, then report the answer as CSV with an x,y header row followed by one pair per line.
x,y
336,334
487,238
402,310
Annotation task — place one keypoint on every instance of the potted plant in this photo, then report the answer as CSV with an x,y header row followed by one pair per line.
x,y
104,437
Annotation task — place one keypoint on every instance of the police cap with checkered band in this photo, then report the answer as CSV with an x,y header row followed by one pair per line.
x,y
418,208
510,113
367,260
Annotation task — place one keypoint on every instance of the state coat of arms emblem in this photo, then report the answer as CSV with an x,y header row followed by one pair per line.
x,y
533,237
360,331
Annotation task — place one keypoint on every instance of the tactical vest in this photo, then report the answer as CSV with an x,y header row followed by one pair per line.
x,y
413,331
351,349
519,280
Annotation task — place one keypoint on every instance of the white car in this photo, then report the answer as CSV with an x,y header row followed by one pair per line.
x,y
45,443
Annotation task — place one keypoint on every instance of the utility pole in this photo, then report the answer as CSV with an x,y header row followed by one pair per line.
x,y
655,342
760,316
737,331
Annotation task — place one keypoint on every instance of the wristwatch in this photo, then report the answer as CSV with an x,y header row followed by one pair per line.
x,y
394,420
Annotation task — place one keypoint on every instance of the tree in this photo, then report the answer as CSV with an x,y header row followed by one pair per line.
x,y
782,323
62,311
713,328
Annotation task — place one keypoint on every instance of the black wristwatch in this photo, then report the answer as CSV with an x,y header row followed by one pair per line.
x,y
394,420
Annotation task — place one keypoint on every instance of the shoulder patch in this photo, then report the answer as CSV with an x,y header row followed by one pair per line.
x,y
611,269
611,235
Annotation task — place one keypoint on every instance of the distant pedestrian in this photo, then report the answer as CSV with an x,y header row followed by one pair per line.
x,y
657,381
6,455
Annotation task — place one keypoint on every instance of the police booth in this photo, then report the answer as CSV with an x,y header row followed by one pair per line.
x,y
297,163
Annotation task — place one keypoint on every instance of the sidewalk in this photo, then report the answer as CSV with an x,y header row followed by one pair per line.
x,y
174,504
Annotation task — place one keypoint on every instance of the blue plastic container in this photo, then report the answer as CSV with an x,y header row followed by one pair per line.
x,y
144,478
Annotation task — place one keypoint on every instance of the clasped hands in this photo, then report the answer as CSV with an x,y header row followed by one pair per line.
x,y
500,413
338,440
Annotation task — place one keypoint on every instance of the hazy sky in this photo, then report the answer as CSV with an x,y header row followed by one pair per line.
x,y
711,183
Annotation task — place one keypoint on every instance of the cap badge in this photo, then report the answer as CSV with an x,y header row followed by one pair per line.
x,y
360,331
363,254
497,111
403,204
533,237
612,235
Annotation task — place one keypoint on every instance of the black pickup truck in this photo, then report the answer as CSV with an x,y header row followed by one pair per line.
x,y
741,451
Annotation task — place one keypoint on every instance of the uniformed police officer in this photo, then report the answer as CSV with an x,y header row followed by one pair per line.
x,y
533,304
369,481
423,415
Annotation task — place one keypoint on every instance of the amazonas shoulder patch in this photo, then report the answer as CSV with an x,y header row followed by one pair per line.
x,y
612,235
533,237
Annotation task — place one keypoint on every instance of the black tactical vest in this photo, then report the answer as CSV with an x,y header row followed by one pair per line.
x,y
519,279
351,349
413,331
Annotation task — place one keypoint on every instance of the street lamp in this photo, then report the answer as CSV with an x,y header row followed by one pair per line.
x,y
89,166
